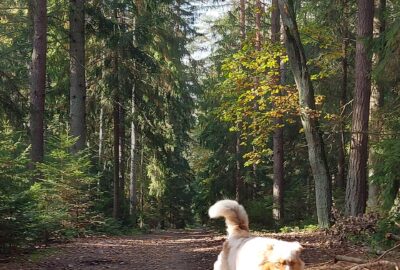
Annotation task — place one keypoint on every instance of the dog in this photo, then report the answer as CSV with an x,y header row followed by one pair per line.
x,y
244,252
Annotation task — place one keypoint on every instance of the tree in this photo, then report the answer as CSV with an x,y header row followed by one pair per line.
x,y
356,188
341,159
38,79
278,166
316,152
133,161
376,105
116,140
133,174
77,73
238,174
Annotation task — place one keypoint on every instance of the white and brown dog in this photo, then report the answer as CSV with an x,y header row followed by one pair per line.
x,y
244,252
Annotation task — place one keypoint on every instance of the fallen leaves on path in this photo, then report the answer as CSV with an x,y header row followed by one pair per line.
x,y
175,250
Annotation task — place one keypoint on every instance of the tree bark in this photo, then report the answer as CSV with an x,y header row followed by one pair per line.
x,y
309,121
142,176
356,188
121,152
376,104
77,70
133,173
242,19
38,80
341,161
278,154
101,133
116,121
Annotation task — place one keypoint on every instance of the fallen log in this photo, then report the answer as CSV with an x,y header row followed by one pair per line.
x,y
368,265
349,259
392,236
383,265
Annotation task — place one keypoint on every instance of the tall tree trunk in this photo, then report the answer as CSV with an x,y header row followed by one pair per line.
x,y
133,164
77,70
356,189
313,136
278,157
116,120
242,19
341,161
238,176
101,133
142,176
376,104
259,12
121,152
133,173
38,80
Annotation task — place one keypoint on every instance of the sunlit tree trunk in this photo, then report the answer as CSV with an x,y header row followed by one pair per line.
x,y
316,152
278,158
134,156
356,188
77,73
133,161
376,104
116,131
38,79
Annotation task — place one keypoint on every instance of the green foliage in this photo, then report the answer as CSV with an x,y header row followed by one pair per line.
x,y
389,224
260,212
306,228
386,171
252,98
59,205
157,178
66,190
17,207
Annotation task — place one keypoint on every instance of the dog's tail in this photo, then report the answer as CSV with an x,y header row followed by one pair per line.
x,y
236,219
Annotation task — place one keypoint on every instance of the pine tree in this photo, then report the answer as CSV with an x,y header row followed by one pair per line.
x,y
356,188
77,73
38,79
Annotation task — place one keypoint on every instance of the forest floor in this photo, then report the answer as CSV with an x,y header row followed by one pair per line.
x,y
173,250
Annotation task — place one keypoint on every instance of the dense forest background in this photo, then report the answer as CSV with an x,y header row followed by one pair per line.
x,y
109,122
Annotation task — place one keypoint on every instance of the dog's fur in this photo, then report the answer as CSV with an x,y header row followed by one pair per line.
x,y
243,252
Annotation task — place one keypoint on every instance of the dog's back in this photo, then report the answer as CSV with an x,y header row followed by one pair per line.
x,y
242,252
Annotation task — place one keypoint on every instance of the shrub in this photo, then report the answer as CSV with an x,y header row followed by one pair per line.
x,y
66,191
17,207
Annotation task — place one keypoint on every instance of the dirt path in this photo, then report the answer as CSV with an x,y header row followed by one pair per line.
x,y
173,250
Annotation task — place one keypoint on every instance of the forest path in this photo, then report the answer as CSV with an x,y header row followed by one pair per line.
x,y
172,250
